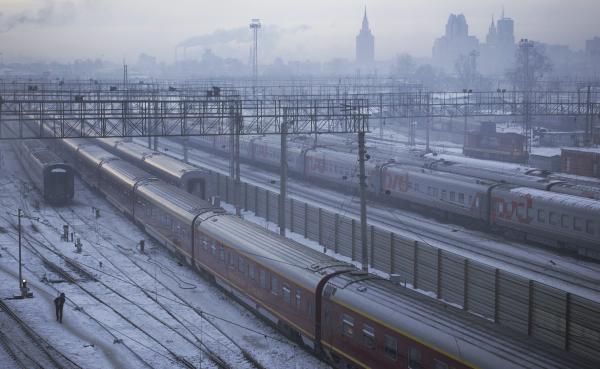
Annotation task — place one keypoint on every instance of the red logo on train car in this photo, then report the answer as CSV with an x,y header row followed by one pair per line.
x,y
395,182
516,210
315,164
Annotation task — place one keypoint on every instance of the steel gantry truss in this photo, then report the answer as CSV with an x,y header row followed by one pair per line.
x,y
84,116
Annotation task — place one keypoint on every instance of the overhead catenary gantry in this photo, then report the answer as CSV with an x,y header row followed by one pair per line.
x,y
84,116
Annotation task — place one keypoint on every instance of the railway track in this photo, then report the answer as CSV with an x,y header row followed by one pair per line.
x,y
528,261
68,276
244,356
26,347
243,359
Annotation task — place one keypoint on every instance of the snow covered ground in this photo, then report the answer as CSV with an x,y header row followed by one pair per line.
x,y
129,309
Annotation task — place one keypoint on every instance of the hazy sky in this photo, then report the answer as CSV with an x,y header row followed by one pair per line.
x,y
303,29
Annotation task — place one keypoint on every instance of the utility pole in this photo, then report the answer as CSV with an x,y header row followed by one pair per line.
x,y
381,117
19,230
526,46
22,283
428,123
466,112
362,157
283,172
589,129
234,161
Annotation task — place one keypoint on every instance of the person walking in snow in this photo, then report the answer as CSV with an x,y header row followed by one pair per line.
x,y
59,302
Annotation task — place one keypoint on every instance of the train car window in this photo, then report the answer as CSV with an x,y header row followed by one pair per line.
x,y
241,265
287,294
368,336
416,185
262,277
232,260
213,249
553,218
414,358
541,216
564,221
390,347
347,325
461,198
452,196
274,285
251,271
577,224
589,226
309,308
298,299
444,194
439,364
222,254
435,192
470,199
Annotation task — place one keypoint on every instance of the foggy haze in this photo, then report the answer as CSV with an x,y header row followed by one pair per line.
x,y
303,30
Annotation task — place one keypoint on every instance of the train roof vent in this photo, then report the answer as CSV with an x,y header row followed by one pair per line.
x,y
329,291
361,288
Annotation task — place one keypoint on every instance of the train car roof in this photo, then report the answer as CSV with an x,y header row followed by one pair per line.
x,y
47,158
572,201
283,256
454,332
41,153
176,200
169,166
124,171
457,179
173,167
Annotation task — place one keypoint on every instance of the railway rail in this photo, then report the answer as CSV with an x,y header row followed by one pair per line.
x,y
27,348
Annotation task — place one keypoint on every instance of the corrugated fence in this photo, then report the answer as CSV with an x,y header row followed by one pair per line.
x,y
551,315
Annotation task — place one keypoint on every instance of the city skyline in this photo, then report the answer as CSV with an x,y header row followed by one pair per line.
x,y
116,30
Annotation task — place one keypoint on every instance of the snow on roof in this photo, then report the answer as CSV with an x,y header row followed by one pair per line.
x,y
559,198
593,150
546,151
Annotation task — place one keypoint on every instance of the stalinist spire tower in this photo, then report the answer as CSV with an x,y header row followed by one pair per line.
x,y
365,44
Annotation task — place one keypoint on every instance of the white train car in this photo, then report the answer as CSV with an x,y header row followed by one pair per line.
x,y
553,219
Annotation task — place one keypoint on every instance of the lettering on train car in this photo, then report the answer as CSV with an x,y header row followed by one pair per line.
x,y
516,209
316,164
395,182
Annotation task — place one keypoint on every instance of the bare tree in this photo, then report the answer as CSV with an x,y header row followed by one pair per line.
x,y
466,69
531,64
404,66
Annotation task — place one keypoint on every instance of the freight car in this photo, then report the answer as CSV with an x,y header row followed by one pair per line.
x,y
489,144
581,161
49,174
350,318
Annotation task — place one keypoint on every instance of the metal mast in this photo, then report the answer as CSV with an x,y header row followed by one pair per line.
x,y
255,26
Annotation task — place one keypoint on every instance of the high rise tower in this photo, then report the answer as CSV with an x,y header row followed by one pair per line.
x,y
365,44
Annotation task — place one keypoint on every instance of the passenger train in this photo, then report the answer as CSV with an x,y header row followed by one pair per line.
x,y
536,209
350,318
49,174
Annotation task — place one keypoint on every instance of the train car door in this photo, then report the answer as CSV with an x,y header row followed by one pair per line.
x,y
196,187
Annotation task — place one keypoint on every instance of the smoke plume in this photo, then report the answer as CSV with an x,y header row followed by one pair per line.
x,y
52,12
